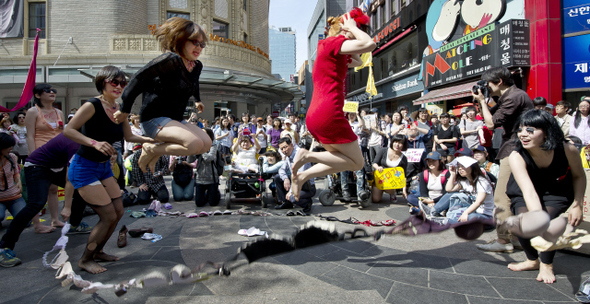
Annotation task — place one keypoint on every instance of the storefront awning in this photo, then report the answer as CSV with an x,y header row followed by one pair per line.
x,y
454,92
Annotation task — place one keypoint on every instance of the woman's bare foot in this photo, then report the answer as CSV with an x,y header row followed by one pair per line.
x,y
57,224
104,257
546,274
43,229
146,157
152,164
299,161
295,186
91,267
524,266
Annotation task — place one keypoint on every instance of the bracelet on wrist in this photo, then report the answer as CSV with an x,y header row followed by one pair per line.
x,y
93,142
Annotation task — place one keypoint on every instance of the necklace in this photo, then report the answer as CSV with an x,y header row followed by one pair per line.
x,y
188,64
109,108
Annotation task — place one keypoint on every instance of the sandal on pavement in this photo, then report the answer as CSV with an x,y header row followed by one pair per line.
x,y
140,231
122,239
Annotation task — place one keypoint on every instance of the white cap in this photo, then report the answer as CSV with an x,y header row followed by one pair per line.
x,y
465,161
288,121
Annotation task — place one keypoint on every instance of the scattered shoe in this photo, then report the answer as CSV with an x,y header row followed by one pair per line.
x,y
307,209
364,195
8,258
427,210
80,229
285,205
346,196
122,240
140,231
494,246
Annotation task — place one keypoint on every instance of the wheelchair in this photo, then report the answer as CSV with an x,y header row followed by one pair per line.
x,y
248,187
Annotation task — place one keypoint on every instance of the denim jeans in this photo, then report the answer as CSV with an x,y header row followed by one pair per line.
x,y
441,203
14,206
185,193
207,194
38,179
344,176
458,203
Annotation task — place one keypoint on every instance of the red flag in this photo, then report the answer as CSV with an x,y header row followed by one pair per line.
x,y
30,83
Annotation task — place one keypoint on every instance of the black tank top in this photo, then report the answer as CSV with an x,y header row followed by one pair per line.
x,y
100,128
554,183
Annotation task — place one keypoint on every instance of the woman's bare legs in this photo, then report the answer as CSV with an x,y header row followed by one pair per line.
x,y
99,198
336,158
40,228
53,206
178,139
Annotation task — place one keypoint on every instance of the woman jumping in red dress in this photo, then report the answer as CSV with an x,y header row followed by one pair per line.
x,y
325,118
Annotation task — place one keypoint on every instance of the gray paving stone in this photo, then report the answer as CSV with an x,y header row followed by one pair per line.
x,y
527,289
463,284
349,279
411,294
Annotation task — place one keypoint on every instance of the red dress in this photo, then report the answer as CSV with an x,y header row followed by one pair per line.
x,y
325,118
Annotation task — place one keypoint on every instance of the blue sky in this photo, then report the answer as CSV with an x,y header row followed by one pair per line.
x,y
294,14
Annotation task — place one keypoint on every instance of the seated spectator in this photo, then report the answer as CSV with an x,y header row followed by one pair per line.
x,y
471,129
476,199
207,177
245,159
10,186
432,184
272,162
183,183
288,129
390,157
481,154
580,123
150,184
283,180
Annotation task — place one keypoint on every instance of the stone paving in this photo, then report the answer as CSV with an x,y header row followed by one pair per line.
x,y
436,268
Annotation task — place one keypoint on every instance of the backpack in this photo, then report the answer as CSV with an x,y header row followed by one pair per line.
x,y
442,179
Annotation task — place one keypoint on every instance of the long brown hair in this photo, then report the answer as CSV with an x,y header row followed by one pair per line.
x,y
176,31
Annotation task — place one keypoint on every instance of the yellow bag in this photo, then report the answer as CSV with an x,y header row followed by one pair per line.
x,y
390,178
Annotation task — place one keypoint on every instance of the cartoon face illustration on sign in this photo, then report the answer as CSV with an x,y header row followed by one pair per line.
x,y
447,20
479,13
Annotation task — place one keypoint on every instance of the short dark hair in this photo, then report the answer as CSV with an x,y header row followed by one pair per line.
x,y
6,141
108,72
539,101
273,153
15,117
231,117
445,114
564,103
286,140
399,138
39,89
470,108
540,119
402,107
494,75
245,114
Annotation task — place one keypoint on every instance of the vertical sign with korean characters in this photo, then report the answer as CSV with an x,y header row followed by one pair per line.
x,y
514,43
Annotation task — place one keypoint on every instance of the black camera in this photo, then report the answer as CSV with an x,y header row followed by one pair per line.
x,y
482,86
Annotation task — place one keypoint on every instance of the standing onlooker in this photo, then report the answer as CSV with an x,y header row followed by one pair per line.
x,y
274,133
288,129
207,177
424,125
445,138
580,125
404,111
376,137
43,123
234,126
20,129
261,134
563,118
225,138
471,129
511,104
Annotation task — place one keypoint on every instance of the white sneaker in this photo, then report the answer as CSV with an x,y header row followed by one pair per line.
x,y
494,246
425,209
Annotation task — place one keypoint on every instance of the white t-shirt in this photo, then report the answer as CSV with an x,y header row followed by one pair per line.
x,y
435,186
483,185
226,141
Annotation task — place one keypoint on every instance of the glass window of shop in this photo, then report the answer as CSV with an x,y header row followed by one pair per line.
x,y
221,29
394,7
37,19
401,56
170,14
382,15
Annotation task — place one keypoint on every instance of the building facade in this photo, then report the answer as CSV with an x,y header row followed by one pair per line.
x,y
80,37
283,52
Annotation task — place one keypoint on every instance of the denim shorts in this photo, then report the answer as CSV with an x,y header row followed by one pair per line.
x,y
151,127
85,172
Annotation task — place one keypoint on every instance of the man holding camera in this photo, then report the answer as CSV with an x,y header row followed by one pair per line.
x,y
512,103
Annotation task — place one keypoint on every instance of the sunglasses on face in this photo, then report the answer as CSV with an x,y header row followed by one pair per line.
x,y
198,43
529,130
52,90
21,117
115,82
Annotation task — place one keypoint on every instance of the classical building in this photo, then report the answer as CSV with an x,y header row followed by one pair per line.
x,y
80,37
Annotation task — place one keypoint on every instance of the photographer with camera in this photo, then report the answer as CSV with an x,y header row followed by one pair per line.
x,y
512,102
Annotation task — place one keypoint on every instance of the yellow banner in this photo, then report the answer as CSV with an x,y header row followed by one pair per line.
x,y
390,178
